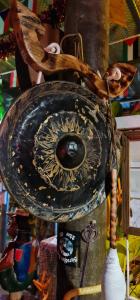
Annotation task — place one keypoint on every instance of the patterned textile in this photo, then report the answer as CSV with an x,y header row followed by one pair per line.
x,y
48,262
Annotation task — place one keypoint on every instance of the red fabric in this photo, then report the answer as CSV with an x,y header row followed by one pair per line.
x,y
7,260
126,93
136,107
131,41
1,198
6,24
12,79
34,6
18,255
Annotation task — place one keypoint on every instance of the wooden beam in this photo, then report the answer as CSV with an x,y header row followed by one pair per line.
x,y
90,19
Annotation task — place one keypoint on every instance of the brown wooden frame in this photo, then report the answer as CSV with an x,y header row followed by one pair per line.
x,y
128,135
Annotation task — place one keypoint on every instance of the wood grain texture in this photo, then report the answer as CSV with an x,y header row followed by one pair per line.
x,y
28,28
79,18
69,277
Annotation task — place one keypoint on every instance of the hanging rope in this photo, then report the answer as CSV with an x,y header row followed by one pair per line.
x,y
77,44
113,164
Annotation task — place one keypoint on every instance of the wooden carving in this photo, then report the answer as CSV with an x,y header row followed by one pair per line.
x,y
28,28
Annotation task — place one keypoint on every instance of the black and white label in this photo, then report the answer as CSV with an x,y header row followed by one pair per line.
x,y
69,248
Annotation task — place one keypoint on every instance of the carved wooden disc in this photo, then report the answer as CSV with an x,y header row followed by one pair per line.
x,y
54,146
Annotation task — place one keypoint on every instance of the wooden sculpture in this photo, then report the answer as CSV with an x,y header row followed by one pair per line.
x,y
28,28
38,120
63,185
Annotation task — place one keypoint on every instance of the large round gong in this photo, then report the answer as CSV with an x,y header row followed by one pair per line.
x,y
53,150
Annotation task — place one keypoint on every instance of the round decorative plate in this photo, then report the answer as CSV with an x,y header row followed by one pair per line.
x,y
54,147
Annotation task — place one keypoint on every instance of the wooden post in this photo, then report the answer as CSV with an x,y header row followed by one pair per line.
x,y
90,18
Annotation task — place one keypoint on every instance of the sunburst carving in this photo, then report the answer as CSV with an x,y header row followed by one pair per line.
x,y
46,162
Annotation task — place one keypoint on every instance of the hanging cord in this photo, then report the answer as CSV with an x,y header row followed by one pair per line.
x,y
111,124
77,42
116,75
89,235
113,163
